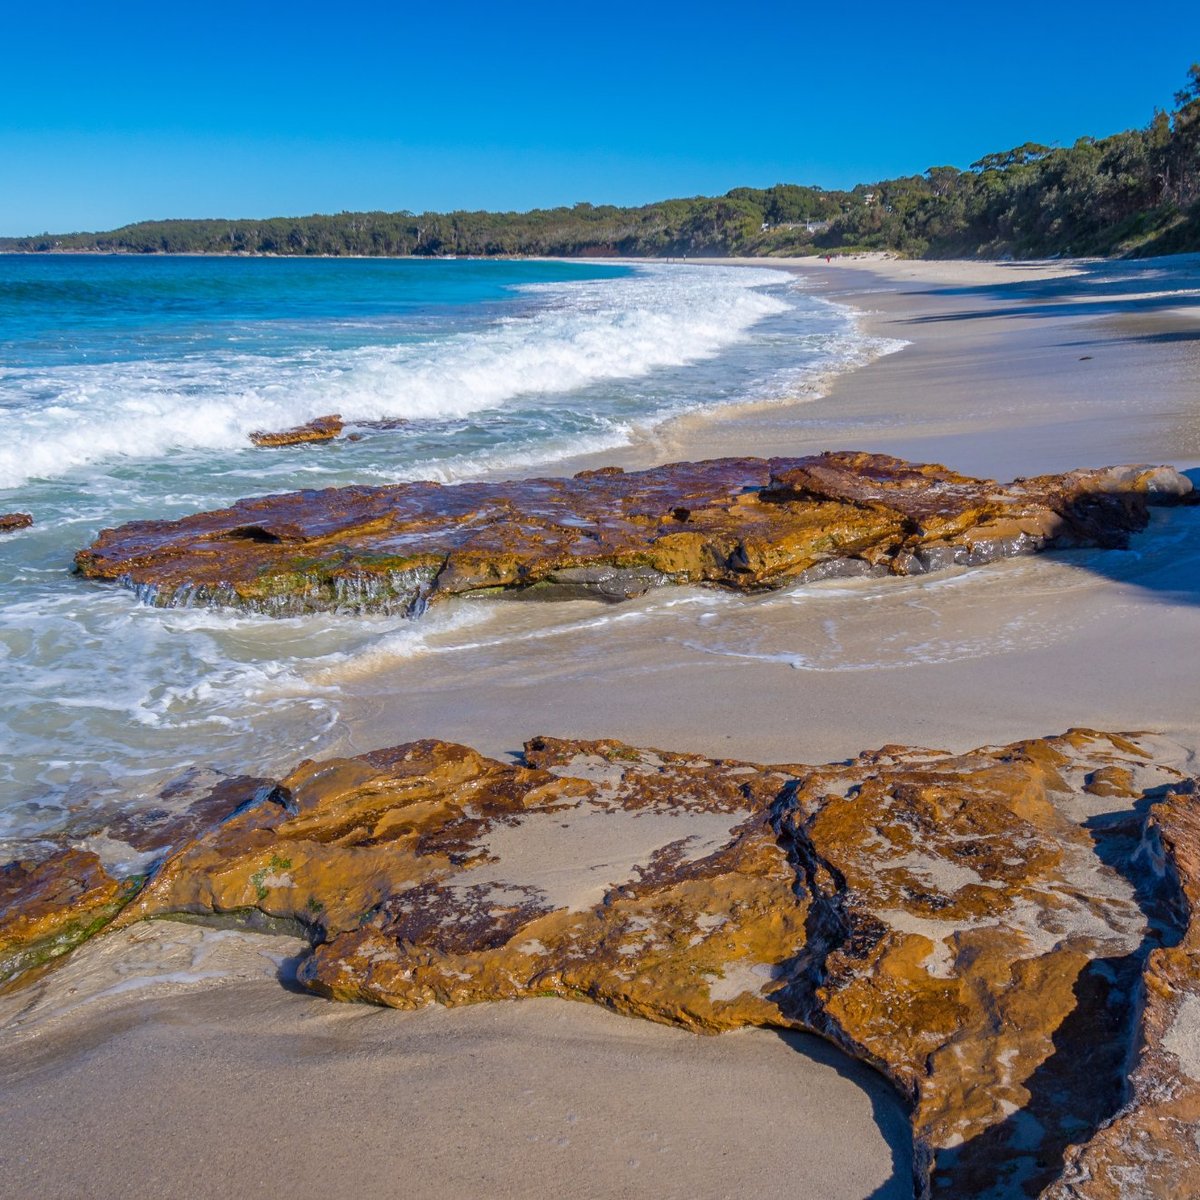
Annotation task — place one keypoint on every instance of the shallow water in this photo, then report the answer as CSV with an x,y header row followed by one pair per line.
x,y
128,387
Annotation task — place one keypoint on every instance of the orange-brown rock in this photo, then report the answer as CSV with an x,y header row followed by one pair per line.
x,y
980,927
1151,1149
48,908
11,522
740,523
983,934
507,880
970,924
320,429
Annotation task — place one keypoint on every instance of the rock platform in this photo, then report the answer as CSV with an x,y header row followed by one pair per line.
x,y
1000,933
742,523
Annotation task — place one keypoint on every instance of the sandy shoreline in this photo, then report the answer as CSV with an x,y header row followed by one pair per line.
x,y
179,1060
176,1088
1010,369
1000,378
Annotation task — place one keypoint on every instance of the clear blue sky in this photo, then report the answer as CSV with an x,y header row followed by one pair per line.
x,y
111,113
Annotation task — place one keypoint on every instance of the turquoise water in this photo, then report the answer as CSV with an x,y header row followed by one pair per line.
x,y
66,309
128,387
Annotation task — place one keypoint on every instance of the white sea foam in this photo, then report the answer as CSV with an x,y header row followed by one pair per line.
x,y
107,697
577,334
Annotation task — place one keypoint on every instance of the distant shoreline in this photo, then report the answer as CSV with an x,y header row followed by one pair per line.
x,y
615,258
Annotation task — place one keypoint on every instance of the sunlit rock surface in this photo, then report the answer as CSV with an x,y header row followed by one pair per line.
x,y
321,429
1152,1147
47,908
743,523
983,928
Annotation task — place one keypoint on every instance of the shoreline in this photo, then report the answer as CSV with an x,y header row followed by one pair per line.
x,y
481,1101
1035,405
917,301
1010,370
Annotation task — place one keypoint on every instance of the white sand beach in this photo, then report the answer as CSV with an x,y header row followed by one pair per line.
x,y
163,1080
1010,369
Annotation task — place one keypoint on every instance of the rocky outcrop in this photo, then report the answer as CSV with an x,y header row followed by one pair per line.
x,y
981,935
648,882
320,429
11,522
742,523
983,928
1151,1149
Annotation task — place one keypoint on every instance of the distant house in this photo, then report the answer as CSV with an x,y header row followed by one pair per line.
x,y
808,226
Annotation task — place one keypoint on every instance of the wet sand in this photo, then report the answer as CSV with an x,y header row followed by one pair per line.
x,y
1012,369
202,1091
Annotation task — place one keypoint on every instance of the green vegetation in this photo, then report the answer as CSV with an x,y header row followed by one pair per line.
x,y
260,877
1136,192
674,227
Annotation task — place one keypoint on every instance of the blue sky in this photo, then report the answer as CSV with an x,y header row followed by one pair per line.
x,y
134,110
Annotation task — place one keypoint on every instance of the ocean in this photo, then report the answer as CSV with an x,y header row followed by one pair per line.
x,y
128,389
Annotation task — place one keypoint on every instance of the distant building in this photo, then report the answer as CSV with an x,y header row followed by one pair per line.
x,y
809,226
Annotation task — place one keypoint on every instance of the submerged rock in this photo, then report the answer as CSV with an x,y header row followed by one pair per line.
x,y
743,523
320,429
11,522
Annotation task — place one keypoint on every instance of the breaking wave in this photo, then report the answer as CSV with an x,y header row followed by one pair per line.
x,y
557,338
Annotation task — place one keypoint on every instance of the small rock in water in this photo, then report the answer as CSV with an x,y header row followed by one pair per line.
x,y
11,522
385,425
320,429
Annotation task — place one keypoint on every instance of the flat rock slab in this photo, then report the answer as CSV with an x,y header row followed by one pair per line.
x,y
996,932
742,523
1152,1148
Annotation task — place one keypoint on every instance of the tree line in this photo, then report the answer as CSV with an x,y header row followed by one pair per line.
x,y
1136,192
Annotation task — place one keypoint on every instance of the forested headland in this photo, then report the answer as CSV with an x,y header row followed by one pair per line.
x,y
1135,193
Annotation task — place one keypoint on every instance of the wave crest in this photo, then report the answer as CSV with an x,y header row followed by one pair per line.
x,y
556,338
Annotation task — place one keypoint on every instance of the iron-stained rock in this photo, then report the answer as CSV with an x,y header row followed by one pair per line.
x,y
743,523
11,522
320,429
983,928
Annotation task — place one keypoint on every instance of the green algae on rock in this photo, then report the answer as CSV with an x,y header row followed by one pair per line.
x,y
49,908
742,523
